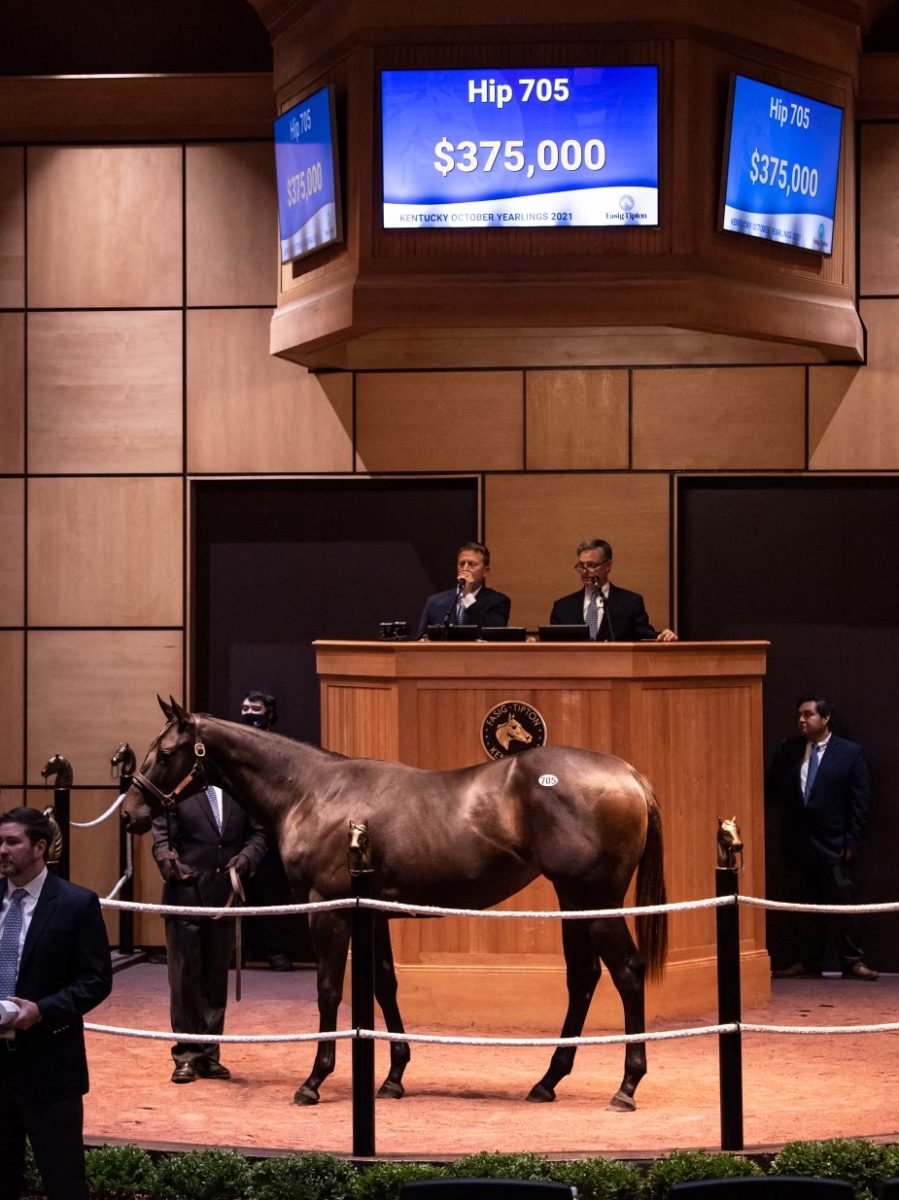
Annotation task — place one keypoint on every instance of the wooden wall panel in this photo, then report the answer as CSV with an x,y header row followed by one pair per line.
x,y
104,226
247,411
449,421
737,419
12,226
879,209
12,706
577,420
534,523
853,418
104,392
12,552
105,551
231,224
89,690
12,392
93,852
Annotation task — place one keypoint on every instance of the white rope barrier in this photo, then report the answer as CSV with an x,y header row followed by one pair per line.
x,y
99,820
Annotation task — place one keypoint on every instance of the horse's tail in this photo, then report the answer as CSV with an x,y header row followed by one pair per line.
x,y
652,930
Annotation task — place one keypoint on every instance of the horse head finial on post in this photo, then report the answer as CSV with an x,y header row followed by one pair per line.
x,y
730,844
59,766
359,851
123,757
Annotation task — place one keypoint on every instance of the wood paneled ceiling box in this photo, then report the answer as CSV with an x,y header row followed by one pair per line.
x,y
436,286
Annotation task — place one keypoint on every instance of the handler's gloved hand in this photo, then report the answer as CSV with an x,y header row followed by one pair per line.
x,y
241,865
173,870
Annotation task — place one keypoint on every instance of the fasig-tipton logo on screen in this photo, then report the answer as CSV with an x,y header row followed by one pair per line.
x,y
513,148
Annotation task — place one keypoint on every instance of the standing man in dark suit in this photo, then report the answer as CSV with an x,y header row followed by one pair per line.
x,y
470,602
823,786
195,847
612,614
54,967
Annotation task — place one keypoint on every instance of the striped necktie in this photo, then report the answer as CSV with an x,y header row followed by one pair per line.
x,y
214,805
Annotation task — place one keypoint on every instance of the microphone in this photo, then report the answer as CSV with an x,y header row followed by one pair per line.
x,y
460,584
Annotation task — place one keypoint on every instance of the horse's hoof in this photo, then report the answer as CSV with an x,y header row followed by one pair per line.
x,y
305,1095
541,1093
621,1102
391,1090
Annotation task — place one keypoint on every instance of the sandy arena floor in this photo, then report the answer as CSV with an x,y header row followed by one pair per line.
x,y
464,1099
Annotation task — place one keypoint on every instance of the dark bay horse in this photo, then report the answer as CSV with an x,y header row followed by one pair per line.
x,y
465,838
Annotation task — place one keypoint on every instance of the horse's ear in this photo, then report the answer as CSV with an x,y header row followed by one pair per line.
x,y
182,715
167,710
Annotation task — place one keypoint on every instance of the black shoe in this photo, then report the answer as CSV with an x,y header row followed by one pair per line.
x,y
860,971
209,1068
280,962
796,971
184,1072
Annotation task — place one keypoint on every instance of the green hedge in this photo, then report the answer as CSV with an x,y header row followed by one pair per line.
x,y
129,1173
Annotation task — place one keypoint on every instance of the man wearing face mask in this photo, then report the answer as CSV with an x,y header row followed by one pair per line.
x,y
269,936
196,845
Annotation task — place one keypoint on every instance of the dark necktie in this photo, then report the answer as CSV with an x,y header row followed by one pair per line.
x,y
9,944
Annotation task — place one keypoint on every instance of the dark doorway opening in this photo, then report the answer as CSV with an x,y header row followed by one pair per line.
x,y
280,563
811,565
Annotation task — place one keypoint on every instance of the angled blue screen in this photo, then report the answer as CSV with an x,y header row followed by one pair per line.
x,y
305,164
782,164
538,147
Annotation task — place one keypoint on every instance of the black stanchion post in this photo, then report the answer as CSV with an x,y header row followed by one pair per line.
x,y
60,813
730,1045
124,757
363,993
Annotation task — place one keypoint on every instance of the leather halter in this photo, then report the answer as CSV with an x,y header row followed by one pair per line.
x,y
169,799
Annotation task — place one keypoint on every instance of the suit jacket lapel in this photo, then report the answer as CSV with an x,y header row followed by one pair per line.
x,y
43,912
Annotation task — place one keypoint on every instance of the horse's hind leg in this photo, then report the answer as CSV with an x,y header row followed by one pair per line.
x,y
582,975
331,938
385,994
616,946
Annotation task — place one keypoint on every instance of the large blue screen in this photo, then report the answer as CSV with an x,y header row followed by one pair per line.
x,y
305,164
489,149
781,166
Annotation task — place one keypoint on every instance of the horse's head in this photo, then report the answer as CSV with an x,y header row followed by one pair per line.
x,y
172,770
59,766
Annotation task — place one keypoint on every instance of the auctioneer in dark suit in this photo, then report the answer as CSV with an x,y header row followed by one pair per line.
x,y
199,948
820,829
624,615
490,608
65,968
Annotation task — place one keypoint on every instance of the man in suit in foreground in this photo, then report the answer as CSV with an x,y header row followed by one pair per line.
x,y
470,602
55,966
612,614
822,784
195,847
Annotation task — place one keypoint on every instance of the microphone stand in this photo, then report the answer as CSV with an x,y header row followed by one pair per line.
x,y
447,619
601,600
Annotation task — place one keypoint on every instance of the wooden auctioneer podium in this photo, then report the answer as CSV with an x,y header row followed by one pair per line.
x,y
688,715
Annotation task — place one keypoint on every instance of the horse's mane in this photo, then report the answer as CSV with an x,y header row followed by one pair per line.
x,y
269,734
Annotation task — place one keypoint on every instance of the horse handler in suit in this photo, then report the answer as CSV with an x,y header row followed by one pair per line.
x,y
823,786
195,847
54,967
612,614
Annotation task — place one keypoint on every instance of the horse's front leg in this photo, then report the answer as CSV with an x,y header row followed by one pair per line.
x,y
331,939
582,971
385,994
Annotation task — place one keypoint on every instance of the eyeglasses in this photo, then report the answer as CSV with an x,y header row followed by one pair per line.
x,y
582,566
